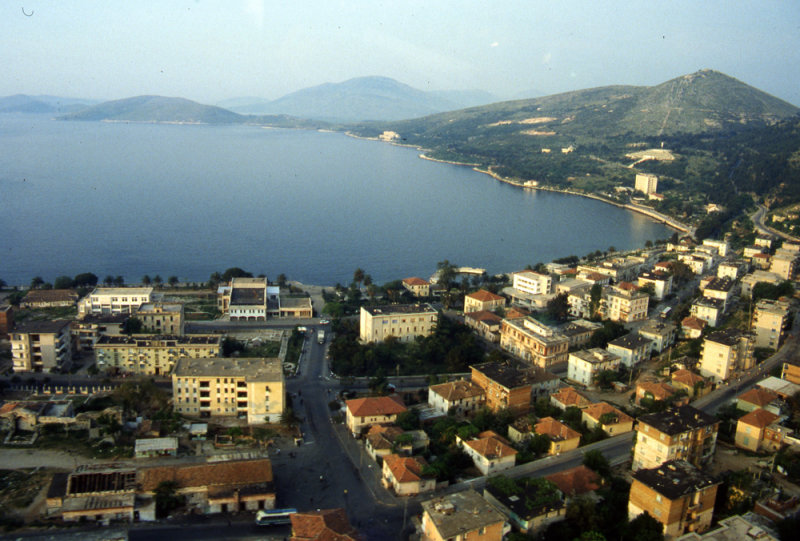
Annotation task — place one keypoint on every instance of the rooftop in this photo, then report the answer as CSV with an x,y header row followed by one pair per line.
x,y
158,340
375,405
678,420
595,355
576,481
568,396
758,397
596,411
487,317
460,513
50,295
504,374
415,281
728,337
41,327
660,328
123,291
686,377
400,309
720,284
405,469
144,445
456,390
323,525
491,446
630,341
484,296
161,307
227,473
252,369
759,418
555,430
674,479
248,294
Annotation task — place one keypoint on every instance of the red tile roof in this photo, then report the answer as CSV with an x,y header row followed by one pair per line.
x,y
484,296
556,430
485,316
659,390
375,405
692,322
759,418
595,411
323,525
686,377
576,481
758,397
414,281
491,446
405,469
231,473
570,397
456,390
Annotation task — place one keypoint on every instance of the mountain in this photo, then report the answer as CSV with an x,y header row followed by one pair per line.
x,y
157,109
362,99
22,103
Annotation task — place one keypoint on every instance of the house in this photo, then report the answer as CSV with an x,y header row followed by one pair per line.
x,y
402,321
676,494
486,324
49,298
153,354
323,524
38,346
732,269
363,412
661,282
770,323
726,353
483,300
575,482
161,318
461,396
381,441
585,365
631,348
152,447
244,388
490,452
534,342
521,430
461,515
504,386
653,390
417,286
567,397
244,299
405,474
757,398
533,504
114,300
612,420
709,310
686,380
661,333
692,327
682,432
720,246
760,430
562,438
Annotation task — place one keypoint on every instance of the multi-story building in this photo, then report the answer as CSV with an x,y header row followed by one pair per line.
x,y
661,333
483,300
770,323
532,283
731,269
461,515
460,397
783,263
720,246
417,286
676,494
114,300
161,318
646,183
38,346
661,282
401,321
372,410
245,299
584,365
631,348
504,386
679,433
725,353
749,281
719,288
244,388
87,331
760,430
153,355
626,305
486,324
709,310
534,342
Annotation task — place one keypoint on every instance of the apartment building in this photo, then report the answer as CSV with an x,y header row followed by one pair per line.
x,y
720,246
661,282
719,288
709,310
783,263
726,353
461,515
631,348
661,333
748,281
417,286
114,300
504,386
646,183
676,494
244,388
770,323
732,269
153,354
532,283
402,321
584,366
38,346
679,433
534,342
483,300
626,305
87,331
161,318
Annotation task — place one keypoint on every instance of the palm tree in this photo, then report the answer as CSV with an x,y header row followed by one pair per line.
x,y
146,280
172,281
119,281
157,280
108,281
37,282
358,276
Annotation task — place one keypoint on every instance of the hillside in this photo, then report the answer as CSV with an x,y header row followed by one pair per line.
x,y
156,109
22,103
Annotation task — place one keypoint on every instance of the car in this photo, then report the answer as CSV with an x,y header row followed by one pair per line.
x,y
323,321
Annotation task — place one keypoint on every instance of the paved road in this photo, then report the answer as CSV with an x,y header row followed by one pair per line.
x,y
758,220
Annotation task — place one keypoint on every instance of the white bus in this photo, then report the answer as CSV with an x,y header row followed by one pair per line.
x,y
269,517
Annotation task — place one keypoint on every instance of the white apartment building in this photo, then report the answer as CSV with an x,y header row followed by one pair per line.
x,y
720,246
726,353
770,320
646,183
626,305
402,321
661,282
114,300
533,283
38,346
584,365
631,349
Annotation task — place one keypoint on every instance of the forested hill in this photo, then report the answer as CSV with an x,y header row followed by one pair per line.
x,y
156,109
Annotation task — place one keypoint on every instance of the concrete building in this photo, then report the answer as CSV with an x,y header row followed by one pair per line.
x,y
114,300
732,269
562,438
87,331
726,353
679,433
532,283
719,288
38,346
462,397
486,324
153,355
783,263
646,183
483,300
365,412
612,420
417,286
661,333
661,282
760,430
536,504
631,348
720,246
161,318
244,388
626,305
709,310
404,474
584,366
676,494
770,323
504,386
461,515
748,281
401,321
244,299
534,342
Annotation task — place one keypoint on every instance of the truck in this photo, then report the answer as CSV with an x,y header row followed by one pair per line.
x,y
321,336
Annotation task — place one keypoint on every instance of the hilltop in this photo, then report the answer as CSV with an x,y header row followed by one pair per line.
x,y
156,109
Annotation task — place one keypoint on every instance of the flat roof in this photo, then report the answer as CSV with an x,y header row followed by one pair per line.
x,y
630,341
250,296
122,291
44,327
157,340
156,444
390,309
674,479
505,374
163,306
461,512
678,420
728,337
252,369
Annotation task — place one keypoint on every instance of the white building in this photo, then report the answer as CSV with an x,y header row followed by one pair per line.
x,y
719,245
402,321
646,183
661,282
584,365
533,283
631,349
114,300
726,353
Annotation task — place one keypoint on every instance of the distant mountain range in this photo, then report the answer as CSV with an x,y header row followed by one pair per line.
x,y
157,109
22,103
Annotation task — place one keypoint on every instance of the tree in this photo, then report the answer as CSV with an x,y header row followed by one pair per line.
x,y
558,307
157,280
595,460
582,514
235,272
172,281
595,296
167,498
3,284
108,281
119,281
63,282
358,276
37,282
146,281
644,528
446,272
132,325
85,279
408,420
367,280
214,279
281,280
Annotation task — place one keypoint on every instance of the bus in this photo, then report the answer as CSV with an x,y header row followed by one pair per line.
x,y
269,517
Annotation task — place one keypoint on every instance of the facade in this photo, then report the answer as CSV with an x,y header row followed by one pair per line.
x,y
661,333
114,300
364,412
461,515
417,286
731,269
533,283
679,433
404,475
760,430
626,305
483,300
87,331
562,438
676,494
612,420
632,349
490,452
709,310
153,355
244,299
244,388
504,386
783,264
534,342
460,396
646,183
720,246
401,321
726,353
692,327
38,346
770,323
585,365
161,318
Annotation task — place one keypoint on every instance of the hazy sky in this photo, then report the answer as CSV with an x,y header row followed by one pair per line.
x,y
212,50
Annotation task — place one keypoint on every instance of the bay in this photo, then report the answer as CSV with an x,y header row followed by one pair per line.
x,y
133,198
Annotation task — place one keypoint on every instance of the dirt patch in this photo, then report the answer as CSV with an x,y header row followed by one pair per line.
x,y
22,493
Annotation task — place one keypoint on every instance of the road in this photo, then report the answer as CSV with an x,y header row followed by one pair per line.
x,y
758,220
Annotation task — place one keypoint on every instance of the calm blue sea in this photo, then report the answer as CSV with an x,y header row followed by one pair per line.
x,y
132,199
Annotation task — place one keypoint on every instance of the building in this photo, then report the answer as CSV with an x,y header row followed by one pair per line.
x,y
661,333
749,281
534,342
244,388
631,348
364,412
709,310
612,420
758,398
770,323
536,503
114,300
736,528
626,305
483,300
719,288
726,353
760,430
579,332
244,299
87,331
152,447
676,494
575,482
6,319
562,438
693,384
791,371
323,524
161,318
720,246
783,388
490,452
153,355
461,515
293,306
585,365
401,321
486,324
692,327
38,346
646,183
49,298
504,386
661,282
783,264
417,286
532,283
567,397
652,390
461,397
405,475
97,492
679,433
731,269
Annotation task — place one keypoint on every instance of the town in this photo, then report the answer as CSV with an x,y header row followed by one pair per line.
x,y
650,394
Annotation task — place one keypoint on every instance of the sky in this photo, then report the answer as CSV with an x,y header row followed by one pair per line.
x,y
209,51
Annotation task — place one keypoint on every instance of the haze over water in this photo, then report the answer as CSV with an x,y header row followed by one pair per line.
x,y
132,199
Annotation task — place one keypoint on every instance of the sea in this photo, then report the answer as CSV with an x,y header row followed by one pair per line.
x,y
129,199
